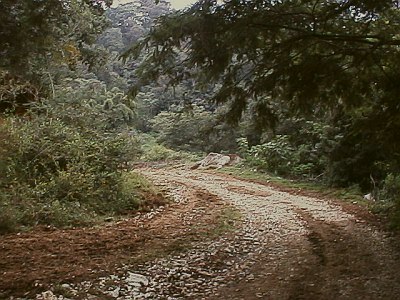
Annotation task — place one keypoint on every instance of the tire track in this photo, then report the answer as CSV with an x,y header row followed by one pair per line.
x,y
288,247
310,248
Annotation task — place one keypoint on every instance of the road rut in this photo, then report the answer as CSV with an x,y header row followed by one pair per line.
x,y
304,247
285,246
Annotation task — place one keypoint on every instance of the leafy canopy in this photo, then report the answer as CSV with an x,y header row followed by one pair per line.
x,y
32,32
295,55
335,61
39,37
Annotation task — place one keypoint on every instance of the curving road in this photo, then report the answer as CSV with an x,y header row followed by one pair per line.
x,y
286,246
298,247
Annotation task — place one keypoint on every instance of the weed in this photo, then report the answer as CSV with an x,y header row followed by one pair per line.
x,y
391,197
8,219
153,151
227,221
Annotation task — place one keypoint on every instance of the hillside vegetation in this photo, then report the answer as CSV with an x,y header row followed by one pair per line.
x,y
306,90
308,87
67,125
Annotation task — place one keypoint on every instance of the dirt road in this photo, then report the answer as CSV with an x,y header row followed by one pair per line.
x,y
306,248
285,246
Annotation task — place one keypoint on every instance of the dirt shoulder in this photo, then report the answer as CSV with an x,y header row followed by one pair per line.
x,y
35,261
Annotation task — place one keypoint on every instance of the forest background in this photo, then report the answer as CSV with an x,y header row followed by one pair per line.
x,y
307,90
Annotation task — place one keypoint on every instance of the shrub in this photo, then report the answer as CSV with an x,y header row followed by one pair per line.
x,y
391,192
8,215
153,151
159,152
194,130
298,150
56,171
279,156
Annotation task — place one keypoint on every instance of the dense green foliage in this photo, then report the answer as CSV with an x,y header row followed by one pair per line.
x,y
153,151
126,24
66,136
33,33
333,63
289,57
58,169
306,89
301,155
40,37
194,130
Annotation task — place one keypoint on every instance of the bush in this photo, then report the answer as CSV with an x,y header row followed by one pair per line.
x,y
194,130
159,152
391,193
300,155
8,215
153,151
56,171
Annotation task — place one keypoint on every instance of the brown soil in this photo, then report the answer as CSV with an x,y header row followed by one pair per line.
x,y
330,264
317,248
33,261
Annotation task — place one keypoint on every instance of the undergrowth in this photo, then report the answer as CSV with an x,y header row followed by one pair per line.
x,y
154,151
55,172
228,221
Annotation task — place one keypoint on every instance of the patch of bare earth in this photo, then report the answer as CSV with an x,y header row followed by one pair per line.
x,y
291,245
34,261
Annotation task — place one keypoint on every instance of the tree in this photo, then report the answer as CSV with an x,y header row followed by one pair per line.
x,y
194,129
36,34
329,58
29,29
